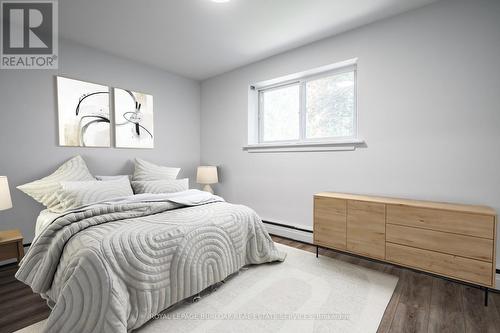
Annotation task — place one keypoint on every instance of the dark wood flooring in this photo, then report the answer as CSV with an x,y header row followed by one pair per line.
x,y
19,306
420,303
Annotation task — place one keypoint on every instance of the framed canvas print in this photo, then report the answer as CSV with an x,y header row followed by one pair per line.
x,y
133,119
83,110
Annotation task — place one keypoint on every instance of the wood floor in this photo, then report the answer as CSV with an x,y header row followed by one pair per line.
x,y
421,303
19,307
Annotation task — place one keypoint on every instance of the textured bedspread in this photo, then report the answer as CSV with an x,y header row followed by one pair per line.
x,y
109,268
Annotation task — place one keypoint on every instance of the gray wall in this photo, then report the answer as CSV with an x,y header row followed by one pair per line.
x,y
28,131
429,110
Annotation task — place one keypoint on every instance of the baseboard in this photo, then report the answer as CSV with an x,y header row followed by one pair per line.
x,y
289,232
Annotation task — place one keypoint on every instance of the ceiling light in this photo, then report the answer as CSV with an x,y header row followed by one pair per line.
x,y
220,1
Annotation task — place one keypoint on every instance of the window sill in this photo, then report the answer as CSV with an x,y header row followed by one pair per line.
x,y
347,145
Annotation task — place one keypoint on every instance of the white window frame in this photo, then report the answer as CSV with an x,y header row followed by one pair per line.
x,y
256,119
260,109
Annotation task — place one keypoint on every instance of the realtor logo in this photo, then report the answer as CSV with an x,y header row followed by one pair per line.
x,y
29,35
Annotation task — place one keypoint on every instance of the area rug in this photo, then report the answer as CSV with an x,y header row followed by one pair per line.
x,y
302,294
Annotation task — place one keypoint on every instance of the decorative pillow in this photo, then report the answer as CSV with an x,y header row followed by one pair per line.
x,y
44,190
161,186
145,170
78,194
106,178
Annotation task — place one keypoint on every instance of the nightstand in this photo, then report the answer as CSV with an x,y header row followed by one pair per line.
x,y
11,245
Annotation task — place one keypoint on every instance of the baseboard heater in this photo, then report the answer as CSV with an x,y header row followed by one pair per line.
x,y
289,231
287,226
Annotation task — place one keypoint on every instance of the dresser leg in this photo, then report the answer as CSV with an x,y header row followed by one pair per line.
x,y
486,296
317,250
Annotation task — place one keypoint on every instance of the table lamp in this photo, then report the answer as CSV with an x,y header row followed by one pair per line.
x,y
207,175
5,200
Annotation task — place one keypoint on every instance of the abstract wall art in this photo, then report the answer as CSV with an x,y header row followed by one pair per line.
x,y
133,113
84,117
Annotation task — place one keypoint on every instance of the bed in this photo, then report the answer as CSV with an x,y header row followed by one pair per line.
x,y
112,266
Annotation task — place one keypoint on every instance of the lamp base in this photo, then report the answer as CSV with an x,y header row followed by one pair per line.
x,y
208,188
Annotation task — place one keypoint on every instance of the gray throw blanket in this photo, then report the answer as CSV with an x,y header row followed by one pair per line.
x,y
111,267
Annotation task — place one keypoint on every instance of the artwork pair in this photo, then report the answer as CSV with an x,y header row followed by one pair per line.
x,y
85,119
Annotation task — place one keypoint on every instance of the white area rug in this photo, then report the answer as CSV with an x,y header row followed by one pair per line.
x,y
302,294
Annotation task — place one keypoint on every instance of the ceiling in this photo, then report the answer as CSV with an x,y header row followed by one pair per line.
x,y
200,38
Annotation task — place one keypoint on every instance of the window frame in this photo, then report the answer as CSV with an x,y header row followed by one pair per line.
x,y
301,82
260,110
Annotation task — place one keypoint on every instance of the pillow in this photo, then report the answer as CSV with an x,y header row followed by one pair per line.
x,y
77,194
161,186
44,190
145,170
106,178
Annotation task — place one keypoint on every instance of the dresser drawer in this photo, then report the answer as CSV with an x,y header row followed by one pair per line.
x,y
330,222
460,245
465,269
366,228
442,220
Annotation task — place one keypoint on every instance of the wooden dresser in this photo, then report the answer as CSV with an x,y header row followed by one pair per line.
x,y
451,240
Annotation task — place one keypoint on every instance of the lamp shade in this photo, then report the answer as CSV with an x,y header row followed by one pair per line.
x,y
5,200
207,175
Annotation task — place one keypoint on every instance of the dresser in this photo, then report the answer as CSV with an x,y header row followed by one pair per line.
x,y
450,240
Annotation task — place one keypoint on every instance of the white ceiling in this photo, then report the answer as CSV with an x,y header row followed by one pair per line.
x,y
201,38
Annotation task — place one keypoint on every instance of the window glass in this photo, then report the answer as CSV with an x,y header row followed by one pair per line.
x,y
280,113
330,106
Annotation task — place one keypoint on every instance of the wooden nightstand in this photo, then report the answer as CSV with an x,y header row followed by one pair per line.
x,y
11,245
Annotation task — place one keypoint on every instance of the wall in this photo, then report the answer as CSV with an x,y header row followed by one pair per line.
x,y
429,110
28,124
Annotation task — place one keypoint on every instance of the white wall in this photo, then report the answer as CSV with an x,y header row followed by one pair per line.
x,y
429,110
28,124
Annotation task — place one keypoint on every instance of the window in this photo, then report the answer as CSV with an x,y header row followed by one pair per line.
x,y
317,106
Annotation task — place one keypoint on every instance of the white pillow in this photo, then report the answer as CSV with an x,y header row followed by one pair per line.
x,y
44,190
78,194
161,186
106,178
145,170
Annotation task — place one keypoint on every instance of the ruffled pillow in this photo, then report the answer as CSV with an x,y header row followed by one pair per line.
x,y
107,178
145,170
77,194
161,186
45,189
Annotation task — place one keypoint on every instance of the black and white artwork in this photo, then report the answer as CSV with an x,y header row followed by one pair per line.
x,y
83,109
133,119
